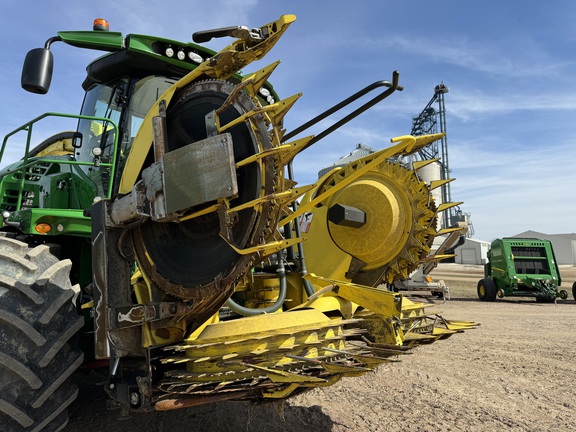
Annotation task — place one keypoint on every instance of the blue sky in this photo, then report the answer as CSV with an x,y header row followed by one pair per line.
x,y
510,67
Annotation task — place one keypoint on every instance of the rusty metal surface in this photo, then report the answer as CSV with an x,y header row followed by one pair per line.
x,y
200,172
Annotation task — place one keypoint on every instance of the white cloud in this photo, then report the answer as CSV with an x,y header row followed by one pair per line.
x,y
515,56
467,104
509,190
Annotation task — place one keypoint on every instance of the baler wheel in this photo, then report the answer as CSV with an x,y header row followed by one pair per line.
x,y
487,290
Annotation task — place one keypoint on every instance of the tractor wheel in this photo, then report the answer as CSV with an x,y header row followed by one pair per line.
x,y
574,290
38,324
487,290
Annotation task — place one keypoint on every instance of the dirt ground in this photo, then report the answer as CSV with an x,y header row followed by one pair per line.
x,y
515,372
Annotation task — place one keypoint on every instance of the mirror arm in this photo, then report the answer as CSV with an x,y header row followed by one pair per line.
x,y
51,41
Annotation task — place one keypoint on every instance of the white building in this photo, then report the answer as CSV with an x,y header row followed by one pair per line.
x,y
473,251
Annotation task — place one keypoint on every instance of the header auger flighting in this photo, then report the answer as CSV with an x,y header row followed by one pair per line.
x,y
165,219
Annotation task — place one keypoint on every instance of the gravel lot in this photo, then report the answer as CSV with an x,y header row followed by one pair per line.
x,y
515,372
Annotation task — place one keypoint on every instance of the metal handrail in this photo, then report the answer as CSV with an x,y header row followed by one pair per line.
x,y
27,127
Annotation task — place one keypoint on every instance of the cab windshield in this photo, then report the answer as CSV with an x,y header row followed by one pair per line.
x,y
107,101
125,103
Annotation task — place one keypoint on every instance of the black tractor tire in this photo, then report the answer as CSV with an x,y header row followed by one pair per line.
x,y
574,290
487,290
38,350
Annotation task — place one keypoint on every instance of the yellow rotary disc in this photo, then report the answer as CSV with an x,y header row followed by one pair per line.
x,y
400,219
388,219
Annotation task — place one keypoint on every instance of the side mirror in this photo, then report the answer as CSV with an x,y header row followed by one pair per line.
x,y
37,71
77,140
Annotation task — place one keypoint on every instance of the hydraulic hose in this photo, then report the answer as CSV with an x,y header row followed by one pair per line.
x,y
303,271
242,310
